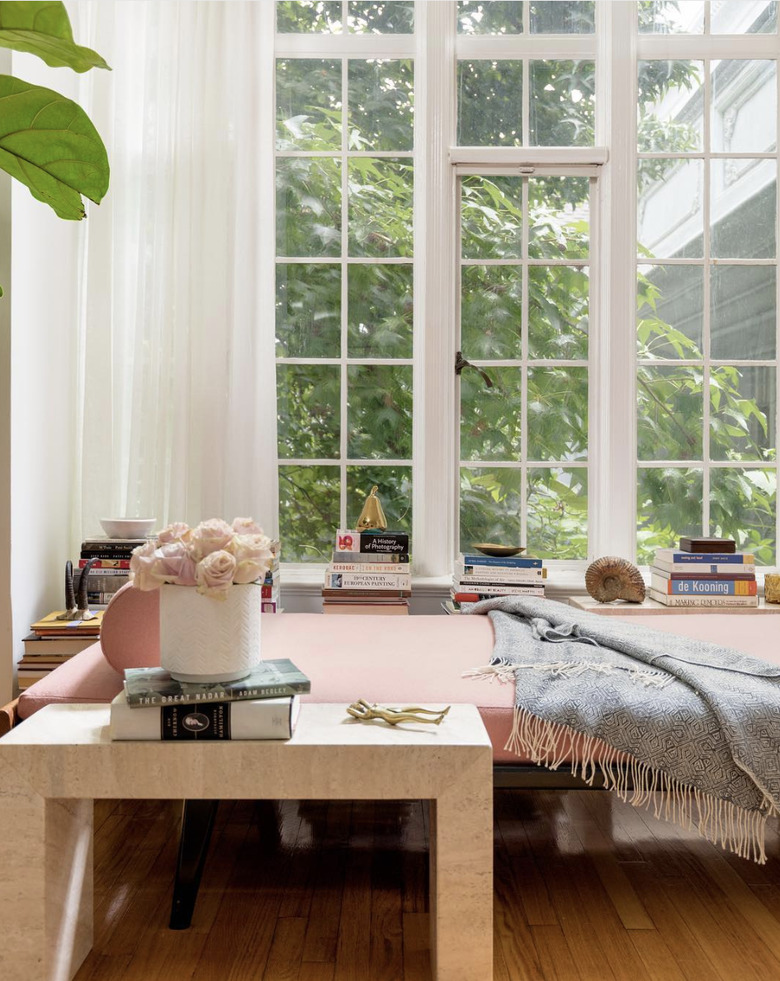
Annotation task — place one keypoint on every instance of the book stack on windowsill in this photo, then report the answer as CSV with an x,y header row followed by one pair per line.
x,y
704,572
52,642
270,588
370,573
264,705
110,568
477,577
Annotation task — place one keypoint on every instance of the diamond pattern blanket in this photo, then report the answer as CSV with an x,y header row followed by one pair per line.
x,y
687,726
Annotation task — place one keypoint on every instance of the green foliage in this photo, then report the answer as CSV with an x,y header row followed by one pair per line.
x,y
43,29
47,142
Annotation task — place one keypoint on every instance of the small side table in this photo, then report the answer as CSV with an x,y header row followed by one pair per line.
x,y
55,764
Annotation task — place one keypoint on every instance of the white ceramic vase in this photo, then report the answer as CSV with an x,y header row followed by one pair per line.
x,y
207,640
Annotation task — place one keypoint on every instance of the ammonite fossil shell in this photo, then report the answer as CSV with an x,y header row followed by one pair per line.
x,y
610,578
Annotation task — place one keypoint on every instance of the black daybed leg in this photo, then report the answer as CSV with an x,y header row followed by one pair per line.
x,y
197,822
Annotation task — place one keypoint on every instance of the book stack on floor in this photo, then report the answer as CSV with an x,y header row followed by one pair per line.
x,y
270,589
52,642
110,569
477,577
370,573
704,572
264,705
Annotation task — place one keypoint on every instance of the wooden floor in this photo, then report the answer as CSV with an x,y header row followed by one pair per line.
x,y
585,888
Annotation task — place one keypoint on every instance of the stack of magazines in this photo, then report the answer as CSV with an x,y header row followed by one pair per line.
x,y
264,705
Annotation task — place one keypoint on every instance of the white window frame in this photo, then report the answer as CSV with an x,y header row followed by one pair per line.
x,y
617,47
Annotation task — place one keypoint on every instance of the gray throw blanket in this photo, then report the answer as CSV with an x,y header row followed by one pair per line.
x,y
688,726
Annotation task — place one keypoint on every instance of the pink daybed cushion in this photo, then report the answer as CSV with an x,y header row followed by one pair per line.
x,y
403,660
130,634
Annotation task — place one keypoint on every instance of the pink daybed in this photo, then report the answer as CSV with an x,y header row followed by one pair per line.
x,y
389,660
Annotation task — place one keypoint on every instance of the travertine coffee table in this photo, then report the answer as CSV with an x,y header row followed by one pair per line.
x,y
56,763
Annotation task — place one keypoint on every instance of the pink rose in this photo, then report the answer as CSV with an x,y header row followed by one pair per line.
x,y
210,536
246,526
176,532
214,573
175,565
142,567
253,557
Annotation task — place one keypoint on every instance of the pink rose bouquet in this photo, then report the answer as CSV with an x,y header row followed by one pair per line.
x,y
212,556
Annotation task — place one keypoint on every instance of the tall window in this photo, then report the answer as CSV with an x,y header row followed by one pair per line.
x,y
345,182
520,108
707,283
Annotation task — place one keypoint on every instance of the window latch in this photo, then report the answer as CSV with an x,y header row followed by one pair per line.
x,y
461,363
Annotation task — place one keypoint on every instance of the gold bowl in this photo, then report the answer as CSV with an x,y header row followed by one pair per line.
x,y
491,548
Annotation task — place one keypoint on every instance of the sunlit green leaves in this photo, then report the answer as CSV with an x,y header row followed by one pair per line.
x,y
558,513
49,144
308,206
381,105
308,407
669,413
308,104
380,310
491,418
669,504
308,310
380,207
308,511
43,29
380,412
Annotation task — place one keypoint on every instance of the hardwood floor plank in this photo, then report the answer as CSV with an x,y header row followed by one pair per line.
x,y
627,904
417,954
712,917
555,957
284,958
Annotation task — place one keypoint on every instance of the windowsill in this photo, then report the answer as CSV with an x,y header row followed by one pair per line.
x,y
303,583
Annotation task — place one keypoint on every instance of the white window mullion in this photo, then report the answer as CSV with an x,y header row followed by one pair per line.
x,y
344,373
612,493
435,482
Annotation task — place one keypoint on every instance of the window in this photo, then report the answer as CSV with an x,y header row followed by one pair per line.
x,y
456,177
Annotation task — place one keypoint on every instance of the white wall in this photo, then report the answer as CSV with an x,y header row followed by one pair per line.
x,y
43,423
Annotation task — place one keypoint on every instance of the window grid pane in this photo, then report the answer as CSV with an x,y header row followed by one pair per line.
x,y
344,292
524,321
707,307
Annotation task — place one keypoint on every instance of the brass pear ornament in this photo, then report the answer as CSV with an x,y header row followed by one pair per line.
x,y
372,516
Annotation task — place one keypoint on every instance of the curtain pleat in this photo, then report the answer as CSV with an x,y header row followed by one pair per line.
x,y
177,405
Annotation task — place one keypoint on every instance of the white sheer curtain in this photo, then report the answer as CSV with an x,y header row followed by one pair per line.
x,y
177,379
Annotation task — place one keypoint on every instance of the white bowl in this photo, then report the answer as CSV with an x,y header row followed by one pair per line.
x,y
128,527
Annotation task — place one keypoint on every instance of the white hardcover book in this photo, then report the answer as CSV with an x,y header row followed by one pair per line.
x,y
524,589
485,573
367,580
708,568
257,718
361,568
703,601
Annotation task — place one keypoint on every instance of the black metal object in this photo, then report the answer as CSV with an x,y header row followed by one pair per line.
x,y
197,823
461,363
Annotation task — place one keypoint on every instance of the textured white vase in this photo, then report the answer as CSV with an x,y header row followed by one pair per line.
x,y
207,640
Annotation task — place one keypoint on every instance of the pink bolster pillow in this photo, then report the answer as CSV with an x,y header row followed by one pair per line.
x,y
130,634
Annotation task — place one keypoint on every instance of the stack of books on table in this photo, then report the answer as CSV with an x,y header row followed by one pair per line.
x,y
370,573
477,577
264,705
270,589
110,569
704,572
52,642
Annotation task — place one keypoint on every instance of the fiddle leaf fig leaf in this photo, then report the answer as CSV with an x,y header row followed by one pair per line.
x,y
49,143
43,29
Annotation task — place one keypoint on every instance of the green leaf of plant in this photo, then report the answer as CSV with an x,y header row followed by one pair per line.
x,y
43,29
48,143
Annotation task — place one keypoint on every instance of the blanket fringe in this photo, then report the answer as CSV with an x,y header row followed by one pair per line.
x,y
719,821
